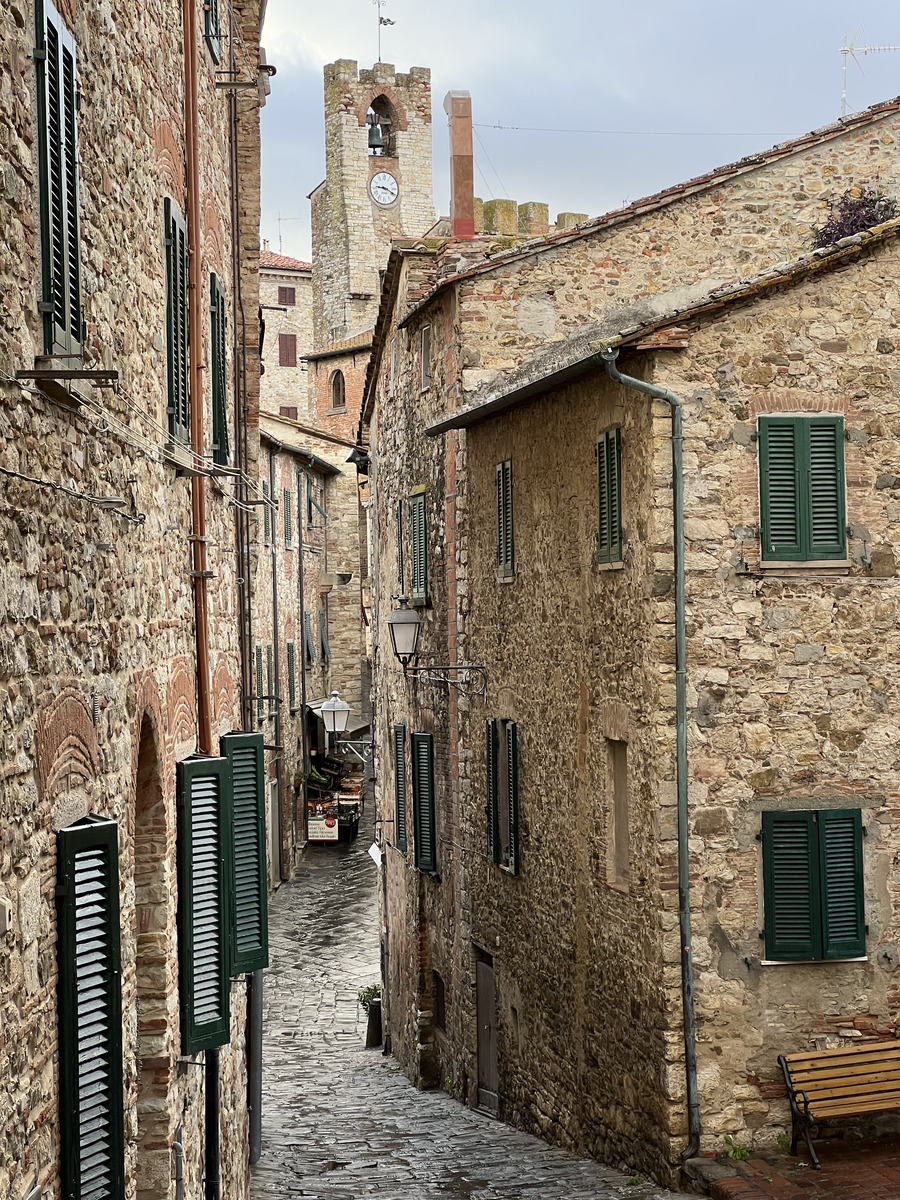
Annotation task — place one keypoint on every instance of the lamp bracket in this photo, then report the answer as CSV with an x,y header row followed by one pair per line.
x,y
468,679
364,753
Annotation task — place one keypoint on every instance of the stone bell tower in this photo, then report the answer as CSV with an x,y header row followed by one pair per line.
x,y
378,186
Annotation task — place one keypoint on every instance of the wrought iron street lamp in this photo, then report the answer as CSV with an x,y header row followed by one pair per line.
x,y
336,716
404,626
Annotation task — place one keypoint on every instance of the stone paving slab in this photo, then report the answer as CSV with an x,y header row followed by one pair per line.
x,y
860,1171
341,1122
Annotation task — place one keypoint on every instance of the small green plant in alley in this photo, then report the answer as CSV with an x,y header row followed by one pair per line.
x,y
735,1152
634,1180
783,1141
368,994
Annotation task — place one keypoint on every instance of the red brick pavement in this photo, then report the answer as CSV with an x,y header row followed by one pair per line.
x,y
868,1171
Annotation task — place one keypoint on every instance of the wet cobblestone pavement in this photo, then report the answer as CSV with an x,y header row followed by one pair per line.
x,y
341,1122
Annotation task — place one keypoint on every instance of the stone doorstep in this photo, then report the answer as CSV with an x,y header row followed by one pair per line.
x,y
706,1171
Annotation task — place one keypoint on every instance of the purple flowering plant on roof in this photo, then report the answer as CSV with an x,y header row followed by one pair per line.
x,y
857,210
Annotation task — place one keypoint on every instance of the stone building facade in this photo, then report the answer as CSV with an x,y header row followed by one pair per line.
x,y
534,952
285,297
128,258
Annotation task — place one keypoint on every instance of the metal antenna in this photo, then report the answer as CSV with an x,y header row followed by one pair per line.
x,y
851,49
379,4
280,220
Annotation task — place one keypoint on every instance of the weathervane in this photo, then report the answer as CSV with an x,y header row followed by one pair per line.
x,y
852,49
379,4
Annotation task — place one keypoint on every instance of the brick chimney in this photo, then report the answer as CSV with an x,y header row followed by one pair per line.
x,y
458,107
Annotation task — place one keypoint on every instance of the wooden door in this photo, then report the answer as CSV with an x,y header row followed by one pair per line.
x,y
486,1012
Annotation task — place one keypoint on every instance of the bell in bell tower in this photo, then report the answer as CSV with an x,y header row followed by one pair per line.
x,y
378,186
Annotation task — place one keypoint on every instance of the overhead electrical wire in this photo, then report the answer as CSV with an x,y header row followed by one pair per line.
x,y
621,132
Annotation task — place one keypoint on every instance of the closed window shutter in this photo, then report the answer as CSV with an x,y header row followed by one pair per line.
x,y
213,28
779,488
204,907
512,797
400,545
801,487
260,686
287,296
270,679
840,859
267,516
59,186
287,518
179,406
92,1165
400,786
250,922
308,638
218,324
423,801
505,551
287,349
425,357
827,517
609,496
791,886
419,543
292,677
491,808
323,636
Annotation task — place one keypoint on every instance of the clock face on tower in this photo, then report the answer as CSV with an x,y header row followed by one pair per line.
x,y
384,188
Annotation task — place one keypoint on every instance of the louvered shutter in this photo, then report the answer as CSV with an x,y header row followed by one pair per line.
x,y
260,686
419,543
287,296
400,786
609,497
250,922
179,405
204,907
423,801
505,550
779,488
270,679
491,808
59,186
287,518
218,325
827,516
512,796
425,358
400,546
840,858
308,638
287,349
213,30
791,886
324,647
92,1163
292,677
267,516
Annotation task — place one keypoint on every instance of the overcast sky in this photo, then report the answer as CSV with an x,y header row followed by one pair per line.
x,y
727,78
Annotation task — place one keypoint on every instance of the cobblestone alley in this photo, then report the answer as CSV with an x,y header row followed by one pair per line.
x,y
341,1122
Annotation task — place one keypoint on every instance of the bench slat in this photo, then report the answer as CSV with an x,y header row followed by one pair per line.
x,y
838,1108
809,1083
838,1091
811,1058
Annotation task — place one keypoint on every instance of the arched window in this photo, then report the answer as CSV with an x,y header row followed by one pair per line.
x,y
382,122
338,397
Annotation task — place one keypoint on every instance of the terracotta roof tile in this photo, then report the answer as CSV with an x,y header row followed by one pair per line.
x,y
268,258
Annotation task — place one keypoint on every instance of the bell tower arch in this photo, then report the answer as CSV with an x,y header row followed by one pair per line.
x,y
378,186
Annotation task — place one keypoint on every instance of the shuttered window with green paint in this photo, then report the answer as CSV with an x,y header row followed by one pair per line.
x,y
292,677
423,801
249,905
502,792
309,644
204,904
212,28
419,548
324,645
179,398
400,787
218,370
813,884
609,496
92,1162
400,546
270,679
57,99
260,686
491,807
288,540
505,552
801,488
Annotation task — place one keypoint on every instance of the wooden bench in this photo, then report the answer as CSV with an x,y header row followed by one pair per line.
x,y
826,1085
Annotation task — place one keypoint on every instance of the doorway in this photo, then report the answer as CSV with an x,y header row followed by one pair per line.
x,y
486,1015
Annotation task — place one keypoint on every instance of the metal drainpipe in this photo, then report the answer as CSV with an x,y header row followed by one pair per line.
x,y
609,357
274,449
254,1063
304,735
211,1093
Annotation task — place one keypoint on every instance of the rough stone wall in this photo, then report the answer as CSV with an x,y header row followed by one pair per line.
x,y
96,605
351,233
286,386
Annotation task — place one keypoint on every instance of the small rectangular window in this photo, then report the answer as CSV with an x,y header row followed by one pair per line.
x,y
218,371
287,349
400,787
423,801
618,859
310,645
260,686
247,885
324,648
505,552
502,808
270,679
609,497
292,677
801,488
419,548
287,296
287,519
179,400
425,357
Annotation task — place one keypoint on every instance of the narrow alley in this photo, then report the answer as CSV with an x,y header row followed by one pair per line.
x,y
340,1121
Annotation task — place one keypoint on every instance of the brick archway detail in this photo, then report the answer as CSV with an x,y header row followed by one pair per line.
x,y
223,692
180,703
66,743
383,89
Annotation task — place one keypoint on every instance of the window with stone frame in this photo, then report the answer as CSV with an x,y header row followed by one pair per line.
x,y
502,788
337,390
618,848
287,296
609,497
287,349
425,357
801,488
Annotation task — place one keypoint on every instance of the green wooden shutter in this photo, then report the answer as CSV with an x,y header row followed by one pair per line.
x,y
260,687
419,547
400,546
779,488
827,510
512,797
791,886
92,1165
59,186
400,787
308,638
179,403
491,808
267,516
841,867
250,922
292,677
609,497
505,549
423,801
212,28
324,647
270,679
287,518
218,370
204,907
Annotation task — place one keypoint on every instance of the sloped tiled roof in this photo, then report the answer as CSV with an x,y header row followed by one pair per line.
x,y
268,258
